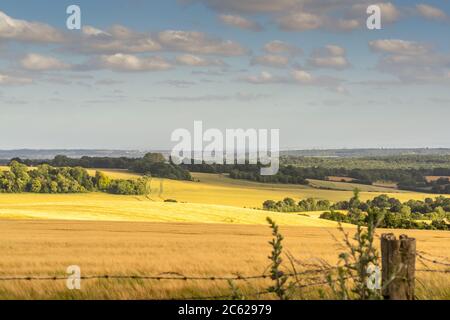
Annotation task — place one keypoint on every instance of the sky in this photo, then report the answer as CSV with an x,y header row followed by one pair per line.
x,y
138,70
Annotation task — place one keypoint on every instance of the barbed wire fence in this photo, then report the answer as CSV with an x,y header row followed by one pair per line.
x,y
318,280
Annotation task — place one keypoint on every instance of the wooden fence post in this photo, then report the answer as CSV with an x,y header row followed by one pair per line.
x,y
398,266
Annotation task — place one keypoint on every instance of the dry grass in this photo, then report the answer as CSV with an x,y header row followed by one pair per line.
x,y
48,247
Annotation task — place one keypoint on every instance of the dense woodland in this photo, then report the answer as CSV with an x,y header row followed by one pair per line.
x,y
152,164
432,214
47,179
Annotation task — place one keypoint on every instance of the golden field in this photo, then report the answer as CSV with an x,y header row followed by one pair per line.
x,y
130,248
211,231
105,207
214,199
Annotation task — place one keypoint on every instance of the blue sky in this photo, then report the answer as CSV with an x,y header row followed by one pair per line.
x,y
138,70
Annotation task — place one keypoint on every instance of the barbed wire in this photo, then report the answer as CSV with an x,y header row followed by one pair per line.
x,y
160,277
180,277
434,261
433,271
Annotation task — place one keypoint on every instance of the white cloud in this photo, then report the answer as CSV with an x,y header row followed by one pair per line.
x,y
300,21
120,39
398,46
302,15
240,22
127,62
302,76
22,30
199,43
305,78
196,61
263,77
117,39
412,62
90,31
389,12
430,12
271,60
347,24
332,56
37,62
277,47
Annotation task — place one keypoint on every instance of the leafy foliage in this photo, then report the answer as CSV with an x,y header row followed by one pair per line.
x,y
47,179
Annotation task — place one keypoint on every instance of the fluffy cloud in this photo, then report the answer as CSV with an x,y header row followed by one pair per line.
x,y
300,21
118,39
196,61
305,78
389,12
21,30
277,47
90,31
37,62
347,24
411,62
132,63
332,56
240,22
271,60
397,46
430,12
302,15
302,76
199,43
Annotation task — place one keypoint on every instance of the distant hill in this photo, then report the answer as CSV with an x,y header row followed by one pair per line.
x,y
36,154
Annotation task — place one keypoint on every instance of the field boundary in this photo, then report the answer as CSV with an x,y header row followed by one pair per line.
x,y
320,274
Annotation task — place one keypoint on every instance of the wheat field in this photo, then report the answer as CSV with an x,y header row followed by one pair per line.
x,y
190,249
211,231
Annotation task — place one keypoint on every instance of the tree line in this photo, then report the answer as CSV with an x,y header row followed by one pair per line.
x,y
406,179
47,179
152,164
391,212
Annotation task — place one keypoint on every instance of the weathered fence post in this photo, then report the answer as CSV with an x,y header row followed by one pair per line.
x,y
398,265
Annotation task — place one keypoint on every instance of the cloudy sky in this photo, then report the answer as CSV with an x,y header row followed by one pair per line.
x,y
138,70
